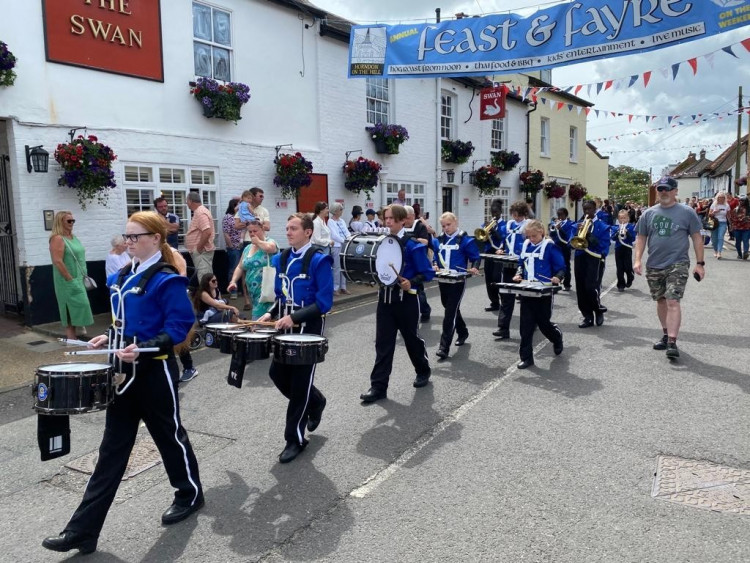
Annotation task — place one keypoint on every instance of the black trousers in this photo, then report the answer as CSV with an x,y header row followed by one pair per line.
x,y
424,307
398,311
152,397
624,264
451,295
536,312
296,383
587,270
507,301
565,249
492,274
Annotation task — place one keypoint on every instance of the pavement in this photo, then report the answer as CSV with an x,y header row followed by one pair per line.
x,y
609,452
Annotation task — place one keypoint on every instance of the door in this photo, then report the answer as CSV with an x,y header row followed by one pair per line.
x,y
9,297
312,194
447,200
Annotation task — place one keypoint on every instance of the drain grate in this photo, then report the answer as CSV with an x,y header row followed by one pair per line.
x,y
702,484
37,343
144,456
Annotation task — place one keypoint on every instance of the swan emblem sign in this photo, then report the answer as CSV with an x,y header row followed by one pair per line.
x,y
492,102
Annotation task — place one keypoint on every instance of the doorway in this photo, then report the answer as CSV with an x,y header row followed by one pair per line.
x,y
312,194
447,199
9,297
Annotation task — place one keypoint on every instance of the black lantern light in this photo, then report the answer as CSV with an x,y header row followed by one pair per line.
x,y
37,159
450,175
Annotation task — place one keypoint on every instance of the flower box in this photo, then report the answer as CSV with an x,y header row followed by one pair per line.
x,y
486,179
221,100
7,64
87,168
456,151
387,138
576,191
362,175
531,181
554,190
292,174
505,160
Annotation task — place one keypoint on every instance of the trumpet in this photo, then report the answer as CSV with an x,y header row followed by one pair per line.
x,y
581,241
483,233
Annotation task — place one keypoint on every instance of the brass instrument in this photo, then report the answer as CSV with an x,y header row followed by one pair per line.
x,y
581,240
483,233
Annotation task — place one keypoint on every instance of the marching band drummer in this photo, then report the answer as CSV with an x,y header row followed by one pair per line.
x,y
564,229
158,316
304,292
624,236
453,250
398,310
494,245
587,266
542,261
512,244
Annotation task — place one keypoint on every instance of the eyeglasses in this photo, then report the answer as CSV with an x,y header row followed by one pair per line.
x,y
135,237
664,188
213,281
70,221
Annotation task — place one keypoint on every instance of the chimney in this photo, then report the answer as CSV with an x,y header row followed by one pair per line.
x,y
703,154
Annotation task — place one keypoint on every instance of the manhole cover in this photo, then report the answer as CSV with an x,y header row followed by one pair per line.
x,y
144,456
37,342
702,484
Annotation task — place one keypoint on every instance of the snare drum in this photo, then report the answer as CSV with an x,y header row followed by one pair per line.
x,y
225,339
299,349
72,388
505,260
372,259
213,330
253,345
526,289
450,276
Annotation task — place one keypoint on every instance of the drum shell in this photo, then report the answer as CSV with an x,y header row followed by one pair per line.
x,y
298,352
225,340
211,337
254,346
70,392
359,259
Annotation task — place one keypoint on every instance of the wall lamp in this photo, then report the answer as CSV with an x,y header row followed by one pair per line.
x,y
37,159
472,174
450,175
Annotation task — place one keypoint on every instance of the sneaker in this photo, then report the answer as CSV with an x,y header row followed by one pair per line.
x,y
188,374
745,255
672,351
233,295
661,344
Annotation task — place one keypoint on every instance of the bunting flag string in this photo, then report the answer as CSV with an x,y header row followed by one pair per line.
x,y
660,149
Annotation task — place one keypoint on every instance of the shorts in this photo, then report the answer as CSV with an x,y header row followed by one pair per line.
x,y
669,282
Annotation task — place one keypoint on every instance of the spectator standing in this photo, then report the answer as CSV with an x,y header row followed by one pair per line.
x,y
233,241
718,211
400,198
172,220
199,239
321,232
261,214
256,255
355,223
339,234
118,257
739,219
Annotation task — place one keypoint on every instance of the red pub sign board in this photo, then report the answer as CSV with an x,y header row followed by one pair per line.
x,y
119,36
492,102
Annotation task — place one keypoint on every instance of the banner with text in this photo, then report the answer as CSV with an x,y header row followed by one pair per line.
x,y
563,34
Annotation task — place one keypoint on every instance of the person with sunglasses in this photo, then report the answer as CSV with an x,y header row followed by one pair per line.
x,y
667,228
209,305
158,316
69,266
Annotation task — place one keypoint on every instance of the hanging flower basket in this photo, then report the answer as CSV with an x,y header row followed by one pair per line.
x,y
7,64
576,192
505,160
221,100
554,190
741,181
457,151
361,175
292,174
387,138
87,168
531,181
486,180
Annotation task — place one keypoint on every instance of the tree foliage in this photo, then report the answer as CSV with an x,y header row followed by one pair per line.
x,y
628,184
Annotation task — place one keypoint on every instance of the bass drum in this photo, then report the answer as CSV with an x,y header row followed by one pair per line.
x,y
372,259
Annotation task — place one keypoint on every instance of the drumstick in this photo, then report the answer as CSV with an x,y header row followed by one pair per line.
x,y
107,351
465,270
73,342
259,323
398,276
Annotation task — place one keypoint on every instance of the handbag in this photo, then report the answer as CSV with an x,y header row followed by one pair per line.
x,y
711,224
268,282
88,282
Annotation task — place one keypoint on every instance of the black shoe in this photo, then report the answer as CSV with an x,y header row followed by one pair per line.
x,y
424,319
566,288
586,323
558,347
501,334
421,380
628,283
661,344
461,340
372,395
600,318
313,417
441,353
177,513
620,289
292,450
523,364
492,308
71,540
672,351
603,309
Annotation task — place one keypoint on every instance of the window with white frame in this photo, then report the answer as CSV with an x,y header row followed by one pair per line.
x,y
546,75
544,137
212,42
574,144
414,192
144,183
378,100
447,118
498,134
500,193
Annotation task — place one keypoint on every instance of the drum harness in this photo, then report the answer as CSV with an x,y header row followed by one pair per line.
x,y
528,257
287,284
116,333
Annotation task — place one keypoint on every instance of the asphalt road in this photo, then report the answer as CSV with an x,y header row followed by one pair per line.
x,y
487,463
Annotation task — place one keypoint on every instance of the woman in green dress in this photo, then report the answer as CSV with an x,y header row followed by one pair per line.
x,y
256,255
68,269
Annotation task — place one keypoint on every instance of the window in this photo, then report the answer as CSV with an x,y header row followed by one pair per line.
x,y
446,117
499,193
414,193
378,100
498,134
546,75
574,144
544,137
172,184
212,42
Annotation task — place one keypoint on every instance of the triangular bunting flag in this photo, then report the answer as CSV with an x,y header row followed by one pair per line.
x,y
675,70
746,44
729,51
646,78
608,85
568,89
596,111
664,72
560,105
710,60
630,118
578,89
599,87
578,109
544,100
669,119
693,64
570,107
633,80
588,90
647,119
587,110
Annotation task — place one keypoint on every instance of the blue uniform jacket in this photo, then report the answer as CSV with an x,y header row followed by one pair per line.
x,y
550,264
313,290
497,236
628,240
599,241
417,268
604,216
514,237
454,252
564,232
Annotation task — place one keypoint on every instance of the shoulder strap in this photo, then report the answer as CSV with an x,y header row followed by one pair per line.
x,y
147,274
284,259
307,258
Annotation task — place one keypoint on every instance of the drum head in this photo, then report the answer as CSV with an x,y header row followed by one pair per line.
x,y
253,336
222,326
72,368
299,338
266,331
389,257
232,332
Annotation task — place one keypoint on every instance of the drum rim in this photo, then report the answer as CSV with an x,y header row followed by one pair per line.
x,y
307,337
253,336
104,368
399,266
227,326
